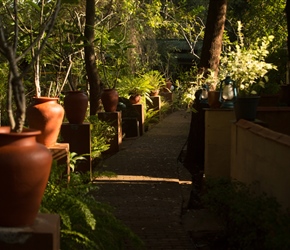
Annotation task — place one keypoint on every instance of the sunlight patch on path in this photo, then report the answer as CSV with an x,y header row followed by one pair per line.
x,y
140,178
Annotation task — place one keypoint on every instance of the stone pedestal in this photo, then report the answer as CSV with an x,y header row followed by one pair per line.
x,y
217,149
44,234
79,138
141,117
114,119
168,96
155,104
60,153
130,127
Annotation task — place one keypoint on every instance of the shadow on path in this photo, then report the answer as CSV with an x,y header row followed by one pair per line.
x,y
151,189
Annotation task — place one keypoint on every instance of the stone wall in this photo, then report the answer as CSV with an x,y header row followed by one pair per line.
x,y
262,155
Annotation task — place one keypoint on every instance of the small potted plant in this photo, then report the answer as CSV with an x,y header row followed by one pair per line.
x,y
246,65
156,80
134,88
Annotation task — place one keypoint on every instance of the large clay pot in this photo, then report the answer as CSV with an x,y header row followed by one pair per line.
x,y
46,115
246,107
75,106
25,167
110,100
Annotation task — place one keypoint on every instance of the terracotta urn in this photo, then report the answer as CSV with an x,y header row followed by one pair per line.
x,y
75,106
110,100
46,115
25,166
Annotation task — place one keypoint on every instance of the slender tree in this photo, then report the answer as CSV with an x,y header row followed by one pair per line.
x,y
90,58
212,44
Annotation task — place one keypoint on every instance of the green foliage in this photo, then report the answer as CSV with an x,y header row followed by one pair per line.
x,y
252,221
85,222
101,134
130,85
74,158
271,87
70,1
3,94
187,84
151,117
255,16
140,84
115,63
154,78
246,65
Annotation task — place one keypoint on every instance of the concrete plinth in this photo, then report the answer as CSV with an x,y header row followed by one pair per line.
x,y
155,104
130,127
44,234
141,117
217,156
168,96
79,138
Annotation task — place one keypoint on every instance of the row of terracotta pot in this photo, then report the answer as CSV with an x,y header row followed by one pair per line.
x,y
25,159
46,114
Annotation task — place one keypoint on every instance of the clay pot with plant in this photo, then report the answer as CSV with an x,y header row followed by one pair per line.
x,y
156,81
25,162
44,113
134,88
76,100
109,94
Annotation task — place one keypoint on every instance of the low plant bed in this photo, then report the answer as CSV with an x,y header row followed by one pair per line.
x,y
251,220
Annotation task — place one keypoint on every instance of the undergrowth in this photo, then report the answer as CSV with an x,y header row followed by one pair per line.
x,y
85,222
252,221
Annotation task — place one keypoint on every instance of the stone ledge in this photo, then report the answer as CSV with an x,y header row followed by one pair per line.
x,y
274,109
264,132
44,234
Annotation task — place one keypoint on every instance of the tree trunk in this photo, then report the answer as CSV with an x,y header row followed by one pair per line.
x,y
212,42
90,58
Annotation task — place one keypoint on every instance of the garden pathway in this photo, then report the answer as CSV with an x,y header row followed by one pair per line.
x,y
151,189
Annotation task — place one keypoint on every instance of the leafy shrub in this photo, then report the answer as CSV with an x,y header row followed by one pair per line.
x,y
247,65
85,222
252,221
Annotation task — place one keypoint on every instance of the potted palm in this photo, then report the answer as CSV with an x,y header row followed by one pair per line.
x,y
25,164
246,65
134,88
156,80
